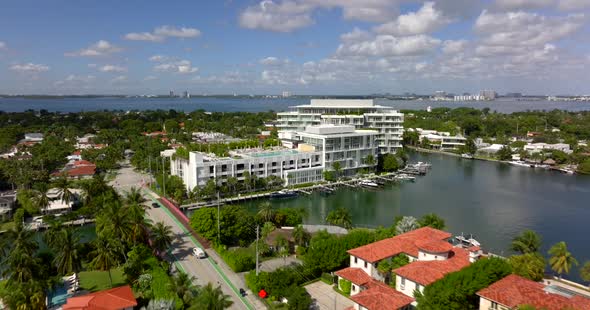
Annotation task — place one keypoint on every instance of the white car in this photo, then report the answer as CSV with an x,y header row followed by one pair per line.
x,y
199,253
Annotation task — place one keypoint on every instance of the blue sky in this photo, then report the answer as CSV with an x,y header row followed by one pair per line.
x,y
302,46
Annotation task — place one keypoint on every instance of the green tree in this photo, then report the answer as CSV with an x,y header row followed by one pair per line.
x,y
133,196
585,272
527,242
340,217
161,236
370,160
345,286
389,163
182,285
561,259
67,249
529,265
337,168
41,199
432,220
106,255
63,186
211,298
300,236
457,290
406,224
298,298
266,212
584,167
505,153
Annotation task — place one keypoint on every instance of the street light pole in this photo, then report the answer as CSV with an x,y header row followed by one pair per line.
x,y
218,225
257,236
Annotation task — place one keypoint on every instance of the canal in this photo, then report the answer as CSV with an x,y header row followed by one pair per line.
x,y
493,201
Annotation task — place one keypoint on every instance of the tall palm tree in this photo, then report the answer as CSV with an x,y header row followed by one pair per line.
x,y
138,222
432,220
114,220
67,258
183,285
63,186
300,236
340,217
20,265
247,180
232,183
106,254
266,212
41,198
561,260
337,167
527,242
210,298
161,237
134,196
53,234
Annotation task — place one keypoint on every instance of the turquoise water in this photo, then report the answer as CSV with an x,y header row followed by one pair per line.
x,y
58,296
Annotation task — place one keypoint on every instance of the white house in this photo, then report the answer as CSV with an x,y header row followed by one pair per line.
x,y
441,140
56,205
539,147
7,202
431,257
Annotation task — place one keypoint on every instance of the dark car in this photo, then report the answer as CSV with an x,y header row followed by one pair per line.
x,y
242,292
155,205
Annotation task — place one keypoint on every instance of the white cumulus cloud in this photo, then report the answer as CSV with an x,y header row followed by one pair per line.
x,y
29,68
112,68
100,48
427,19
2,45
161,33
181,66
387,45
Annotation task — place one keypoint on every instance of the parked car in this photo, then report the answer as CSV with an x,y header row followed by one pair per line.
x,y
199,253
155,205
242,292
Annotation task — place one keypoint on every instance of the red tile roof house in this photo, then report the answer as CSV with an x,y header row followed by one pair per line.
x,y
77,169
118,298
514,291
431,258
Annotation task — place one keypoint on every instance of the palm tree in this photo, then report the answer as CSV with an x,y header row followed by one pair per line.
x,y
266,212
232,183
340,217
41,199
183,285
337,167
19,265
247,180
432,220
114,220
300,236
106,254
585,272
139,224
211,299
527,242
67,258
161,237
63,186
406,224
134,196
561,260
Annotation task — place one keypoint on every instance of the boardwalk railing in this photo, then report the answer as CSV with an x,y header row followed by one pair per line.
x,y
184,220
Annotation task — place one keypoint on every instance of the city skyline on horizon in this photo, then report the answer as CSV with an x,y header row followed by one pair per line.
x,y
305,47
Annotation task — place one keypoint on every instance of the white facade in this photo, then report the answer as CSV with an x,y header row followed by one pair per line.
x,y
318,147
360,113
440,139
538,147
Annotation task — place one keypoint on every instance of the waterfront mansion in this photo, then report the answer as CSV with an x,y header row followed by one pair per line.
x,y
431,257
314,150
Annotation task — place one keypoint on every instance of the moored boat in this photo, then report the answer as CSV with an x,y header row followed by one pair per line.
x,y
284,194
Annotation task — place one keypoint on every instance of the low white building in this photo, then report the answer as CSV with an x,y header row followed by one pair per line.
x,y
57,205
7,203
313,151
539,147
440,140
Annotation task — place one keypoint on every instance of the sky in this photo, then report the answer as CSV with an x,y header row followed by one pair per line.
x,y
338,47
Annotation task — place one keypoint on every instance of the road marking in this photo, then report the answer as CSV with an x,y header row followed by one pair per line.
x,y
214,265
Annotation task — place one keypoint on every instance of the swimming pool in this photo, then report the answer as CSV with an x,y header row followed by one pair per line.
x,y
58,296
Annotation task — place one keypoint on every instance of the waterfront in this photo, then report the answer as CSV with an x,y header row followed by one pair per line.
x,y
231,104
493,201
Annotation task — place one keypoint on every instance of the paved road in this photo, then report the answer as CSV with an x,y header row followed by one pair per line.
x,y
325,298
204,270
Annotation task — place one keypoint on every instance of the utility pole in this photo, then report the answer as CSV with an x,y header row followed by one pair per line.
x,y
257,236
218,225
164,176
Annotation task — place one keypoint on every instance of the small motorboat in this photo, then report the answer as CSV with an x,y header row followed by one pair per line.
x,y
368,183
282,194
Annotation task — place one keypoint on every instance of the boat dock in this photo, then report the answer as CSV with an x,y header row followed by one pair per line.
x,y
356,183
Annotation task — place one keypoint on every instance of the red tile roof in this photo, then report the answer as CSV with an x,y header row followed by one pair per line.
x,y
80,171
113,299
427,272
79,163
379,296
513,291
434,246
404,243
354,275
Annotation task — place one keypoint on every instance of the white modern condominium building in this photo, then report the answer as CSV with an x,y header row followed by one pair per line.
x,y
317,149
387,121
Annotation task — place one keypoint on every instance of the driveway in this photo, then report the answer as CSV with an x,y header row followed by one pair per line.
x,y
325,298
276,263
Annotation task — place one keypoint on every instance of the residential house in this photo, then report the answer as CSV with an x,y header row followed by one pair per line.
x,y
77,169
7,203
58,206
539,147
440,140
431,257
514,291
118,298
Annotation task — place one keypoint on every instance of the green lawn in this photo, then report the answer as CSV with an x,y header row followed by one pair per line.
x,y
7,226
99,280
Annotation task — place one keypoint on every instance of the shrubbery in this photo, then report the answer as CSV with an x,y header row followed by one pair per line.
x,y
345,286
238,260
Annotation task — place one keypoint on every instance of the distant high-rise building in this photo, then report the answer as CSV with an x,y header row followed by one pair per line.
x,y
488,94
286,94
185,94
171,93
